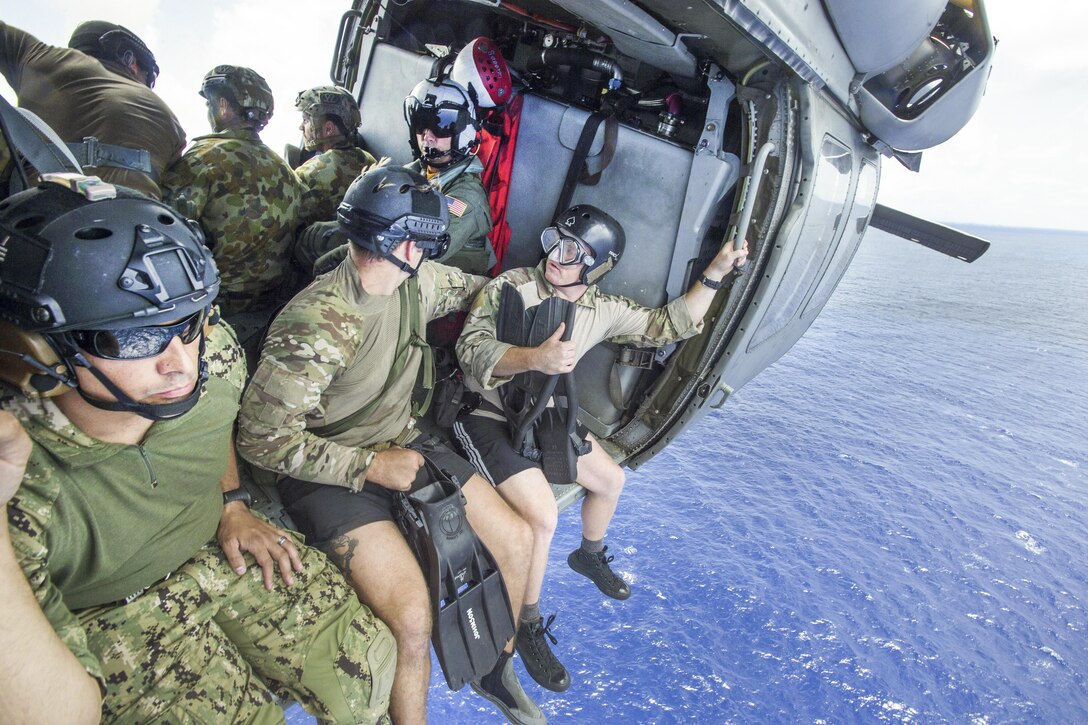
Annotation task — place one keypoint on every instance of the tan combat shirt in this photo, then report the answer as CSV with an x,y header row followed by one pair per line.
x,y
598,317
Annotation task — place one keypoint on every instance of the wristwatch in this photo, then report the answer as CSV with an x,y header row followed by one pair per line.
x,y
712,284
237,494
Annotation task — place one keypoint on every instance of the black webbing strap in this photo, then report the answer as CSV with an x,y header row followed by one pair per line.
x,y
578,161
92,152
409,335
33,144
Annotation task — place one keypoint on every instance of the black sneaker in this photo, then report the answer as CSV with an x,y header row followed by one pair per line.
x,y
501,688
595,568
537,656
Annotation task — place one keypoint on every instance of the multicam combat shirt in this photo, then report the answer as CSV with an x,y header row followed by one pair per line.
x,y
329,354
598,317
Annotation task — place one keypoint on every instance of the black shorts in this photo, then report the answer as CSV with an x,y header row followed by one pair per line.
x,y
323,512
487,445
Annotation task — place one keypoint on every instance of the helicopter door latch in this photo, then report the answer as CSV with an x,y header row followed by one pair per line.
x,y
726,390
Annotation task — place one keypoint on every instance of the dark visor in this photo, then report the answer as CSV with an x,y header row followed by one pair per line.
x,y
137,343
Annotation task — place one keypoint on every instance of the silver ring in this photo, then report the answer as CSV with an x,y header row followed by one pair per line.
x,y
281,540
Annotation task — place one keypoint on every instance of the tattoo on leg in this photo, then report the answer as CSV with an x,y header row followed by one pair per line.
x,y
341,552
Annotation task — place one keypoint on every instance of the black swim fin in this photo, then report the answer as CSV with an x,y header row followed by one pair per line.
x,y
545,321
472,620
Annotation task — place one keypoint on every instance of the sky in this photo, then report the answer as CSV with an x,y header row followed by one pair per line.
x,y
1019,162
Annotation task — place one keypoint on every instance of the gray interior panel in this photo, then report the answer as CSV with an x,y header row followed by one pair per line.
x,y
643,188
391,76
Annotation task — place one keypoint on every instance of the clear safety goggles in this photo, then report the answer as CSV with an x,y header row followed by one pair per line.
x,y
570,250
137,343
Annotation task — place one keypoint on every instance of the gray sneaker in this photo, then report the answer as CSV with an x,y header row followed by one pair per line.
x,y
501,688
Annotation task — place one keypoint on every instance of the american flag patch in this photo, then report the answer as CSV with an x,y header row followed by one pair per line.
x,y
456,206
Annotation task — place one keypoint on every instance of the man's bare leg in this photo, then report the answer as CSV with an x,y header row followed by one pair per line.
x,y
380,567
603,482
504,533
530,496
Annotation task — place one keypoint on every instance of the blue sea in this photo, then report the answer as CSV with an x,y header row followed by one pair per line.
x,y
887,525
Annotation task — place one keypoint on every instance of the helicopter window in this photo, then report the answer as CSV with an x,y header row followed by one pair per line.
x,y
864,201
822,219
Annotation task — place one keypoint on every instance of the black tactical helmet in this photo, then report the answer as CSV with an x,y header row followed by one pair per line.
x,y
386,206
598,231
69,265
242,87
111,42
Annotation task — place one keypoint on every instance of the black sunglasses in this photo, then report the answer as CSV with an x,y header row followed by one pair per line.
x,y
137,343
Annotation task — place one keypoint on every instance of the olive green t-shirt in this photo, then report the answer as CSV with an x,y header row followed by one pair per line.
x,y
93,522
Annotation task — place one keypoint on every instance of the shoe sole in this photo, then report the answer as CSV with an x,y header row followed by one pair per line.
x,y
572,562
510,714
561,687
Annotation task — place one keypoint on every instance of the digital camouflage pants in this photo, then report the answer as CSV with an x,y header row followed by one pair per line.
x,y
209,646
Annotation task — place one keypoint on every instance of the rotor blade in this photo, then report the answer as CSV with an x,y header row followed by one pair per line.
x,y
935,236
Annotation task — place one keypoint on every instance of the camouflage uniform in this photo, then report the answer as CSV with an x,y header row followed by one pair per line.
x,y
106,533
79,95
326,356
325,178
598,317
470,216
246,198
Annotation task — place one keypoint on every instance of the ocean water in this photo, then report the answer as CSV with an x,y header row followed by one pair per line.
x,y
887,525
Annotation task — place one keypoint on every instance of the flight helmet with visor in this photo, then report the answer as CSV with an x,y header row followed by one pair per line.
x,y
482,71
444,107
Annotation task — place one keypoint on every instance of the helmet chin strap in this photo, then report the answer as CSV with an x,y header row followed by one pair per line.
x,y
125,404
333,140
404,266
430,153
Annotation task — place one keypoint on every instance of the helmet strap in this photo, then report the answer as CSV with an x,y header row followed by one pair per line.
x,y
425,156
125,404
592,276
403,265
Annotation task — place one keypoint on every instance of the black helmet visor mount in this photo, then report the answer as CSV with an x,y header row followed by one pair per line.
x,y
387,206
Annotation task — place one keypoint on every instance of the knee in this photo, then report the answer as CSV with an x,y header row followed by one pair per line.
x,y
411,625
543,520
611,481
350,680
